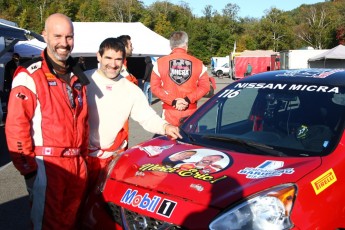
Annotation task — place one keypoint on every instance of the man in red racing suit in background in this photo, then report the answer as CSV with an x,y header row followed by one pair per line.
x,y
179,80
47,129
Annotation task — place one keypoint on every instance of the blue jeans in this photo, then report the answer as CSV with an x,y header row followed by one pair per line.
x,y
147,91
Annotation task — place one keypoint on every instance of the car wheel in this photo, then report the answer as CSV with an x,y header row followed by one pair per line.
x,y
219,73
210,93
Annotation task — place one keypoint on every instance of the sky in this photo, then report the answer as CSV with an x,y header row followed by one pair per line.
x,y
252,8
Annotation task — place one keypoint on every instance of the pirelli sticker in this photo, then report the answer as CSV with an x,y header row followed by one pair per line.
x,y
324,181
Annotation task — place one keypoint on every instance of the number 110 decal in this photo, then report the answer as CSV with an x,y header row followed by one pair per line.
x,y
166,208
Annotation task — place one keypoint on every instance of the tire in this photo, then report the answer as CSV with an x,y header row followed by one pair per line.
x,y
219,73
210,93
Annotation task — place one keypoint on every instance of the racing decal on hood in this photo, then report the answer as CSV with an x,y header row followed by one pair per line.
x,y
267,169
155,150
180,70
195,163
324,181
163,207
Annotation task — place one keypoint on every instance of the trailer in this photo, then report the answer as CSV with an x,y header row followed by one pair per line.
x,y
297,59
260,60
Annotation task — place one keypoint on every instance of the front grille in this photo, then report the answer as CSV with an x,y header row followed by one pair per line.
x,y
136,221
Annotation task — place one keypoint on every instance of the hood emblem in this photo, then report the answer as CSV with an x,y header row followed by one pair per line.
x,y
139,173
197,187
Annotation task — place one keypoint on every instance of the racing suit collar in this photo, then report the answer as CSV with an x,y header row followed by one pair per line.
x,y
72,67
179,50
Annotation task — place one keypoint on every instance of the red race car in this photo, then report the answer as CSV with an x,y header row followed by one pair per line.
x,y
266,152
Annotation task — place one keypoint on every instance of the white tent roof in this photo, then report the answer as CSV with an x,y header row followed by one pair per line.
x,y
89,35
337,52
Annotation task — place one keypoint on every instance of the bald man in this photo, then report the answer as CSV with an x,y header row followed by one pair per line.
x,y
47,129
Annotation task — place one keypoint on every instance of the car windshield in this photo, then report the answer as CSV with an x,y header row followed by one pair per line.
x,y
275,119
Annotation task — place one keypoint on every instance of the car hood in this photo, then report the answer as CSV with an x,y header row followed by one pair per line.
x,y
229,176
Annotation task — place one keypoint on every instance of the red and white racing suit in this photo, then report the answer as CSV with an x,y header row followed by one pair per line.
x,y
47,136
179,75
111,103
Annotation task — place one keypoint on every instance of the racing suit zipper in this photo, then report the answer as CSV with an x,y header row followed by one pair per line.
x,y
68,91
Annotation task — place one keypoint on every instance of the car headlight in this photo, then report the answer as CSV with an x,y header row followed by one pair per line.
x,y
269,209
104,175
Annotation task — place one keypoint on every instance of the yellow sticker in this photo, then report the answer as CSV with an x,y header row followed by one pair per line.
x,y
324,181
50,76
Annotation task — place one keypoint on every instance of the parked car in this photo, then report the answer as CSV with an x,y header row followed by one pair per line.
x,y
222,70
266,152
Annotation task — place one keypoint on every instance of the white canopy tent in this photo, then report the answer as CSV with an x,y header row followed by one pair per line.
x,y
89,35
333,58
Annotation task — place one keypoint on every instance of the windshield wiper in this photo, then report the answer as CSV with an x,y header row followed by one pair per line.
x,y
249,145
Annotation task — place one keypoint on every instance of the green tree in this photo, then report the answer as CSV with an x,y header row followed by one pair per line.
x,y
274,30
163,26
314,29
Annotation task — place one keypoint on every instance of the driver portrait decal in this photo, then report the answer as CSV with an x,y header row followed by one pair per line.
x,y
199,164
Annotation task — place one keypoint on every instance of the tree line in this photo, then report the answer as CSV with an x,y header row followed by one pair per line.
x,y
320,25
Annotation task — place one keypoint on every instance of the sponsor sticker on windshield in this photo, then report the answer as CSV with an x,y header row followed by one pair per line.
x,y
314,73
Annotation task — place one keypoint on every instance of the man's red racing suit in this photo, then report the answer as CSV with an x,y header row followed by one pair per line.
x,y
179,75
47,136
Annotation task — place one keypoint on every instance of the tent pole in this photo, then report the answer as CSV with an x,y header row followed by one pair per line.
x,y
324,63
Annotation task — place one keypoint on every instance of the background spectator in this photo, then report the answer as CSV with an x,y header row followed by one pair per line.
x,y
147,79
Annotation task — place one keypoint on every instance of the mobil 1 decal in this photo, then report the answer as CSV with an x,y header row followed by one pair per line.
x,y
200,164
180,70
157,204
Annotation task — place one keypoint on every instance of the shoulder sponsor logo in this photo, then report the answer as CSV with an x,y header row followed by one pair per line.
x,y
21,96
324,181
164,207
35,66
267,169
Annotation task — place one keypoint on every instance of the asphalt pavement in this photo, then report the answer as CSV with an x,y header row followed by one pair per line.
x,y
14,204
